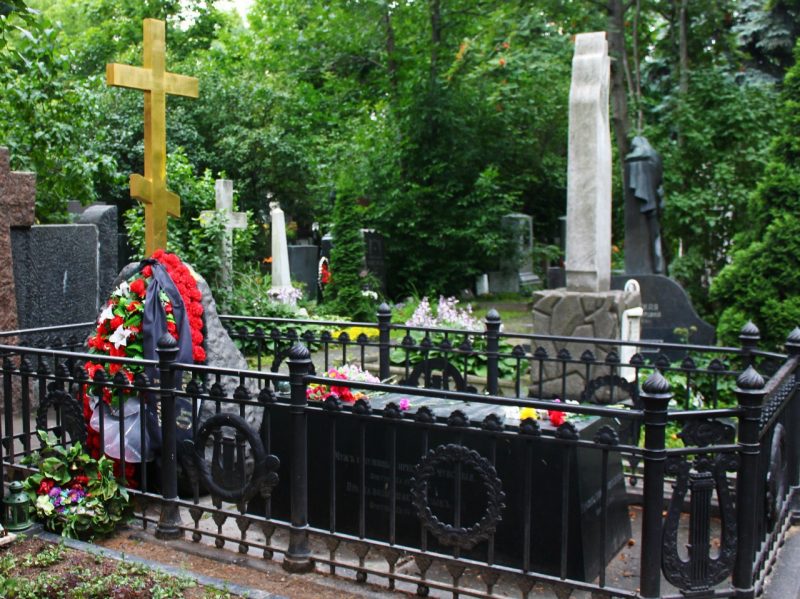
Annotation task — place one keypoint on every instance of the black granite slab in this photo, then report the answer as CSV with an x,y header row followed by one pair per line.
x,y
337,485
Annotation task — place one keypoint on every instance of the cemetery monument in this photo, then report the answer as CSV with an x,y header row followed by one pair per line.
x,y
587,307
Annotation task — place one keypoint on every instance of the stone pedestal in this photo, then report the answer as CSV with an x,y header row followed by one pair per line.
x,y
576,314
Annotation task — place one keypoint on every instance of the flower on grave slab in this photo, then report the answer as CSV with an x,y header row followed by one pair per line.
x,y
346,372
557,417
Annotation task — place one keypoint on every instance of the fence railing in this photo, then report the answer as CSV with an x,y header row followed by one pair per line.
x,y
439,488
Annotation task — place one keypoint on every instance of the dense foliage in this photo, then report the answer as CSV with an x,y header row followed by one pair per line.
x,y
439,116
762,282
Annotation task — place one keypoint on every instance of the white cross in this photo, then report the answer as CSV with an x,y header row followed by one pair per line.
x,y
233,220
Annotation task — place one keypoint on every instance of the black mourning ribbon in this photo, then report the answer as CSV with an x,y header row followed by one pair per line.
x,y
154,325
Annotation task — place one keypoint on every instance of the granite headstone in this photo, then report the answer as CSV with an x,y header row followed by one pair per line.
x,y
104,217
17,205
303,266
55,274
668,314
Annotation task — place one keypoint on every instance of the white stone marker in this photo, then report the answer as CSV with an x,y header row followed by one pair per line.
x,y
280,250
223,189
588,247
631,331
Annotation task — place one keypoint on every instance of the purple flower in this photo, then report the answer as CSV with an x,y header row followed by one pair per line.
x,y
404,404
55,492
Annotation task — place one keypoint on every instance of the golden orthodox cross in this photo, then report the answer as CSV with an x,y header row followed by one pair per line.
x,y
154,80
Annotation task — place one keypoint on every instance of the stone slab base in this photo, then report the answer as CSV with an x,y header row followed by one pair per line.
x,y
568,313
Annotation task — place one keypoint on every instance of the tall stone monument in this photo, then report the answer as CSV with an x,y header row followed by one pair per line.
x,y
281,278
17,205
586,307
588,247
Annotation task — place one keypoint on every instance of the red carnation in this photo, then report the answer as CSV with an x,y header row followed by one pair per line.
x,y
147,270
45,486
158,254
168,308
172,329
195,294
139,287
197,337
195,309
134,306
117,322
556,418
113,368
196,323
198,354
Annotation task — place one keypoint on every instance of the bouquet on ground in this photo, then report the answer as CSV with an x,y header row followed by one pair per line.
x,y
346,372
73,493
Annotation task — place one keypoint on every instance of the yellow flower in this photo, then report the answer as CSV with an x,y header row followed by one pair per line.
x,y
525,413
354,332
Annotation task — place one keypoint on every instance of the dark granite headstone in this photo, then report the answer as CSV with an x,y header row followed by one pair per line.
x,y
55,274
374,257
104,217
303,265
549,464
667,307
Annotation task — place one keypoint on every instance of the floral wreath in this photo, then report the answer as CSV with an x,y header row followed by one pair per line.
x,y
119,331
73,493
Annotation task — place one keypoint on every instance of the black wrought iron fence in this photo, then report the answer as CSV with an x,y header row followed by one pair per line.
x,y
441,489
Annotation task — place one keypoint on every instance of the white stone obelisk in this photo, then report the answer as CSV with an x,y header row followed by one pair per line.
x,y
588,247
280,250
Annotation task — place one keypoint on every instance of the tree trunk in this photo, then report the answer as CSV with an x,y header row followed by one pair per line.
x,y
391,63
683,84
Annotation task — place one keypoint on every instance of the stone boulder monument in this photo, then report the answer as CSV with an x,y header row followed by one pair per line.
x,y
586,307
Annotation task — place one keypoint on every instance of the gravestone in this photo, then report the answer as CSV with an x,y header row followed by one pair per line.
x,y
667,307
516,265
105,219
17,205
585,553
55,274
588,235
280,253
303,267
374,256
586,307
223,192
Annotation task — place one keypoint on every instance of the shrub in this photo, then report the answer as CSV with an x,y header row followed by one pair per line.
x,y
762,281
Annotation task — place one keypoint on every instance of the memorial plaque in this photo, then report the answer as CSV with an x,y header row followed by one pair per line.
x,y
339,443
667,308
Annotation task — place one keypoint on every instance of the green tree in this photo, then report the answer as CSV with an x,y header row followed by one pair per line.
x,y
762,282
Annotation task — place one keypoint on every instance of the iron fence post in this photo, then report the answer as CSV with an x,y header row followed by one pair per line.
x,y
492,351
298,555
793,349
655,397
749,336
170,520
750,394
384,321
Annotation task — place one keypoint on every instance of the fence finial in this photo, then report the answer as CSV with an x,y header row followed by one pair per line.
x,y
750,380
